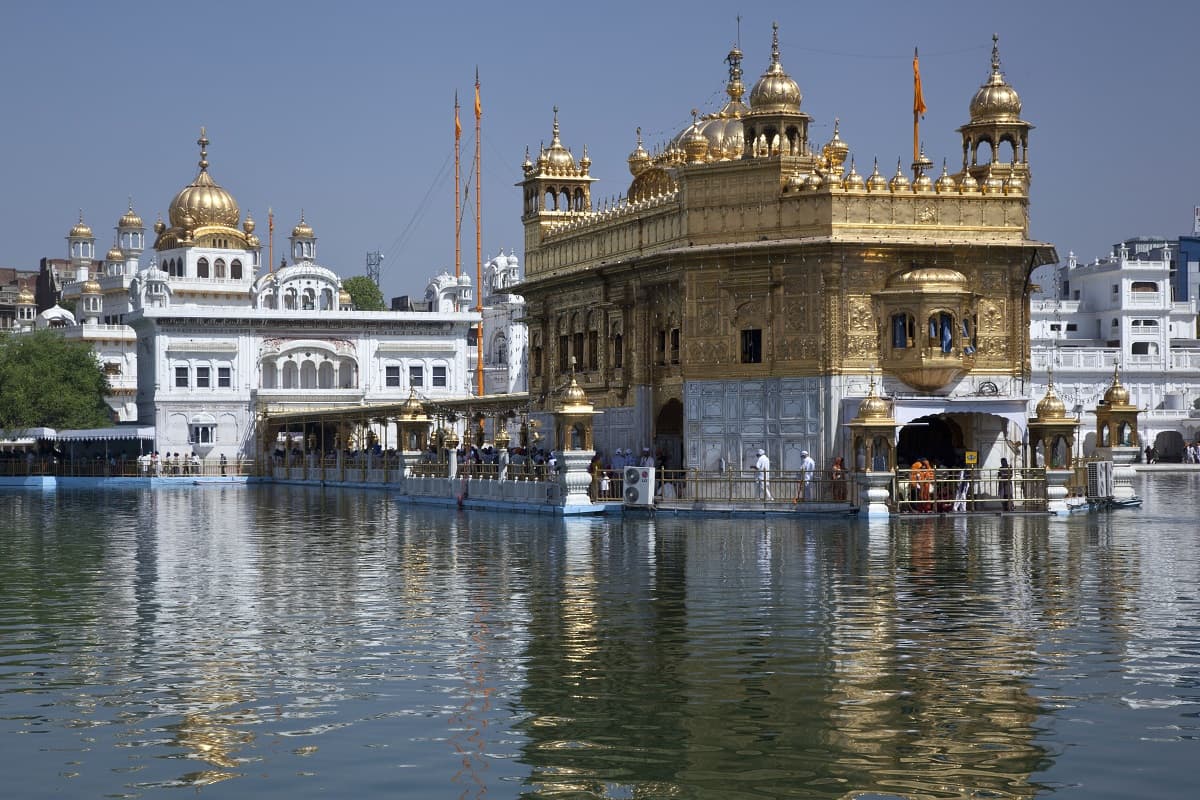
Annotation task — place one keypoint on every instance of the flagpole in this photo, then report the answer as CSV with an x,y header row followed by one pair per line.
x,y
457,193
270,240
478,246
918,107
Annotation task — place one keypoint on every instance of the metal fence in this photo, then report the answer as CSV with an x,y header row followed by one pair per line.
x,y
956,490
124,468
777,487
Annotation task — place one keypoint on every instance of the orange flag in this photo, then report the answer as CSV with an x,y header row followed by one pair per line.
x,y
478,107
918,97
457,123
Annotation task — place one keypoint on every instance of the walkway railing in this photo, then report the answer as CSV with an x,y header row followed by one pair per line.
x,y
124,468
778,487
965,490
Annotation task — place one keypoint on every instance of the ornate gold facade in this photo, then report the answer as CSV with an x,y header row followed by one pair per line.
x,y
748,253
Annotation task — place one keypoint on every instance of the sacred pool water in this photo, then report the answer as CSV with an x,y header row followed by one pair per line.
x,y
294,642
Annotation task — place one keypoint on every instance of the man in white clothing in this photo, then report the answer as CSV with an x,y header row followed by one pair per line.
x,y
647,458
763,467
807,469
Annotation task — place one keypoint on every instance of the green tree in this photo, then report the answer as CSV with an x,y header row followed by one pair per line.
x,y
364,293
47,380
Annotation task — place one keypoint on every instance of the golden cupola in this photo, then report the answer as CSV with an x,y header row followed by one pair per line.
x,y
130,220
723,128
835,150
695,144
775,90
639,159
1116,394
203,202
875,181
996,100
853,181
81,230
302,229
1050,407
25,297
114,255
559,160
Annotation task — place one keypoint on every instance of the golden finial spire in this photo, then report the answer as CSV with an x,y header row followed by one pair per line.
x,y
995,52
554,140
203,142
775,44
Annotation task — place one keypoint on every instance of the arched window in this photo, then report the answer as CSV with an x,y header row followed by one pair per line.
x,y
235,269
291,375
310,300
202,268
903,331
219,268
348,375
308,375
289,300
1144,286
270,376
325,375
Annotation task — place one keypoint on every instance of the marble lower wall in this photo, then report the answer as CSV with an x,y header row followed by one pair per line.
x,y
731,420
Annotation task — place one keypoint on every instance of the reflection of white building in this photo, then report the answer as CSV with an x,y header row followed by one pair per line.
x,y
199,340
1120,309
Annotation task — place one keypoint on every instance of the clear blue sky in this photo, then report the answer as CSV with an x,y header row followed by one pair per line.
x,y
345,110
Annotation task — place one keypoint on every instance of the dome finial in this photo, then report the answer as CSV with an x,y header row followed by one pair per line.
x,y
774,42
995,52
554,140
203,142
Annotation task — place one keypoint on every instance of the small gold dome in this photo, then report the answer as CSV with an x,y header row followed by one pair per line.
x,y
923,184
996,101
929,279
129,219
90,286
1050,407
775,90
412,408
853,180
695,144
25,297
873,406
302,230
1117,395
992,184
835,150
639,159
248,224
899,181
81,230
875,181
1015,184
159,225
344,299
574,395
203,202
558,159
502,439
813,182
967,184
945,184
114,254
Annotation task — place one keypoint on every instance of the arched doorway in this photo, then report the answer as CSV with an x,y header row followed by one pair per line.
x,y
668,433
935,437
1168,446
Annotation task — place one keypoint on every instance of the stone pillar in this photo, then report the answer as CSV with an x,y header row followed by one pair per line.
x,y
1123,458
874,494
1056,490
574,477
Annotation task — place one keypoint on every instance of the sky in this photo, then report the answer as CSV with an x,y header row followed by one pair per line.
x,y
344,111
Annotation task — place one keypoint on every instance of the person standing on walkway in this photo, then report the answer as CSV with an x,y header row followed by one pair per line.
x,y
763,467
1005,475
808,467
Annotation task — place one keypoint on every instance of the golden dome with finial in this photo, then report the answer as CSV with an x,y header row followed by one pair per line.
x,y
203,202
1050,407
945,184
502,439
81,230
344,299
412,408
695,144
248,224
1015,183
302,230
996,100
899,181
993,183
159,225
639,159
129,219
835,150
775,90
114,254
558,158
873,406
853,181
90,286
875,181
25,297
723,128
967,183
1117,395
574,396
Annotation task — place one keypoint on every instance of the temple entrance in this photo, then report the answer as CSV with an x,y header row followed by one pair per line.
x,y
1168,446
668,433
935,437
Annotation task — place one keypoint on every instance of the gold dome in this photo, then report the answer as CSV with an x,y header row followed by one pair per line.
x,y
90,286
723,128
114,254
996,101
25,297
967,184
853,180
130,219
203,202
1117,395
1015,184
876,182
81,230
873,406
639,159
344,299
923,184
558,159
813,182
775,90
929,279
302,230
412,409
248,224
159,225
574,395
1050,407
695,144
992,184
945,184
835,150
899,181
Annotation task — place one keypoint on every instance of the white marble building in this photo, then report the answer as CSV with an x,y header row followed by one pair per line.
x,y
200,339
1091,317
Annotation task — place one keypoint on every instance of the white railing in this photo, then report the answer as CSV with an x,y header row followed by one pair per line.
x,y
1185,359
1074,358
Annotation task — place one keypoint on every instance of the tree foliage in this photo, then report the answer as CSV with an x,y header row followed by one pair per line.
x,y
47,380
365,294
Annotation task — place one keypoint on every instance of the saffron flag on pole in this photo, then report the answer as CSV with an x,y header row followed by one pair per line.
x,y
457,123
918,97
478,107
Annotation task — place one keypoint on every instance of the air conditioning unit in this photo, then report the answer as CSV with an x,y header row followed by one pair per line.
x,y
1099,480
639,486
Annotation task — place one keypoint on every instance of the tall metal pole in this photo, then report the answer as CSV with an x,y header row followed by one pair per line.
x,y
478,246
457,193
